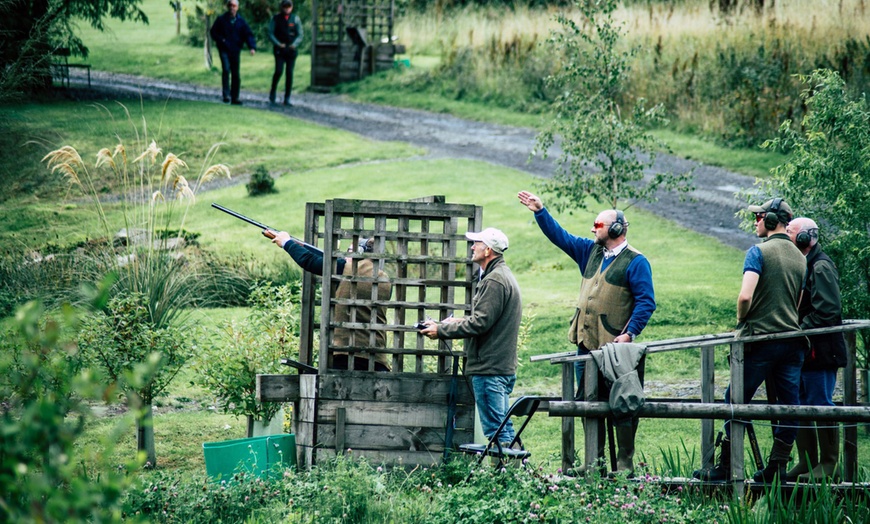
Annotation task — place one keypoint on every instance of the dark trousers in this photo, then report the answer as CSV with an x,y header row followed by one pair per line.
x,y
285,60
778,361
230,68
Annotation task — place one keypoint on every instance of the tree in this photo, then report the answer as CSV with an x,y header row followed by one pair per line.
x,y
32,30
604,153
827,178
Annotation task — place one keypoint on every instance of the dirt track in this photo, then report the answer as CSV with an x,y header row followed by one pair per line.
x,y
711,210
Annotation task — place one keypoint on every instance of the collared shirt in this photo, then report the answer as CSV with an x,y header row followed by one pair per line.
x,y
612,253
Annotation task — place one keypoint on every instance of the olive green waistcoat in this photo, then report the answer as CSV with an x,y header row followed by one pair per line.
x,y
344,337
774,306
606,302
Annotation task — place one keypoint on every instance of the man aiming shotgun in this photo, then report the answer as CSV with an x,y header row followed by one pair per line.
x,y
310,259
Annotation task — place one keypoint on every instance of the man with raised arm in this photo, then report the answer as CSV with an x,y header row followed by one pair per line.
x,y
616,297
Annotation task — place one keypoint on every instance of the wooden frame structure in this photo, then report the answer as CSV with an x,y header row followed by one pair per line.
x,y
707,410
398,417
350,40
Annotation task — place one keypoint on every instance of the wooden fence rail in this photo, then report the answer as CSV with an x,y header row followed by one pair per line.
x,y
706,410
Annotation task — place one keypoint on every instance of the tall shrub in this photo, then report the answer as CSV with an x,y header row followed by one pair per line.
x,y
600,145
228,367
45,475
154,281
827,178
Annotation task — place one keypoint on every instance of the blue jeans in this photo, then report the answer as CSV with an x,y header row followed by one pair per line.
x,y
579,371
817,387
491,394
779,362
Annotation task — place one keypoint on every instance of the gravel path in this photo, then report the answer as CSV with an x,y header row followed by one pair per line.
x,y
710,210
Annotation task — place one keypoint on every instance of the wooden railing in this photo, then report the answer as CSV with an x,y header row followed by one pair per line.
x,y
706,410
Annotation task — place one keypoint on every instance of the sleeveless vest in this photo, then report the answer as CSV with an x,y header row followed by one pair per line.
x,y
347,337
774,306
605,303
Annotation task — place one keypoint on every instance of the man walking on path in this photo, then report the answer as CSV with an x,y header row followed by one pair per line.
x,y
818,448
230,32
616,298
493,327
773,272
285,32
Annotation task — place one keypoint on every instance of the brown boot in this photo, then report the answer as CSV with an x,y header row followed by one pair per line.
x,y
829,444
807,451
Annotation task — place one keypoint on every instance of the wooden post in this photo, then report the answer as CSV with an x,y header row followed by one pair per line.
x,y
708,356
850,398
568,423
737,428
591,425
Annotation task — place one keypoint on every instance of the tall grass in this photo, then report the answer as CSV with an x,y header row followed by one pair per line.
x,y
729,76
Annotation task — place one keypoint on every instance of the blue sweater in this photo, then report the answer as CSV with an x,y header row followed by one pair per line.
x,y
639,273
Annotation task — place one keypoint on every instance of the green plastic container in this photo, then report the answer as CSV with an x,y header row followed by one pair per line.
x,y
257,456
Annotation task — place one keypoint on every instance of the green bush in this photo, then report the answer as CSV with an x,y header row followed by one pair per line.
x,y
229,365
261,182
46,396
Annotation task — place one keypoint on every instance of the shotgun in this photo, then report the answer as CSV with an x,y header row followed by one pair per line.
x,y
268,232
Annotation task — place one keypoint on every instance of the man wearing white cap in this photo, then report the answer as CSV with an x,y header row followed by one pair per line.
x,y
493,327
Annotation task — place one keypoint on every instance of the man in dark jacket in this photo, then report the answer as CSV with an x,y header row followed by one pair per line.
x,y
285,32
493,327
768,303
819,306
230,32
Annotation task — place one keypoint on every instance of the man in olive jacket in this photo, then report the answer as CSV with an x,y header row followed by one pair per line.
x,y
493,327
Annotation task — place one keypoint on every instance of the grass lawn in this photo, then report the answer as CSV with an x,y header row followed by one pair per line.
x,y
696,279
120,50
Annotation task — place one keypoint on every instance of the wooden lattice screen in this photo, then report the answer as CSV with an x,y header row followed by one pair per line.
x,y
421,246
335,58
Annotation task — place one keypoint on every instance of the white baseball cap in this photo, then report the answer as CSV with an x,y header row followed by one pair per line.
x,y
492,237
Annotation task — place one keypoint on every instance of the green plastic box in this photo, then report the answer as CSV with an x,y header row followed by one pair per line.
x,y
257,456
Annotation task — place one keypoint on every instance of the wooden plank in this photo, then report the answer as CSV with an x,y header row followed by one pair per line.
x,y
850,398
568,423
389,437
591,425
277,388
737,428
659,408
407,388
390,458
338,431
394,414
395,209
708,362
